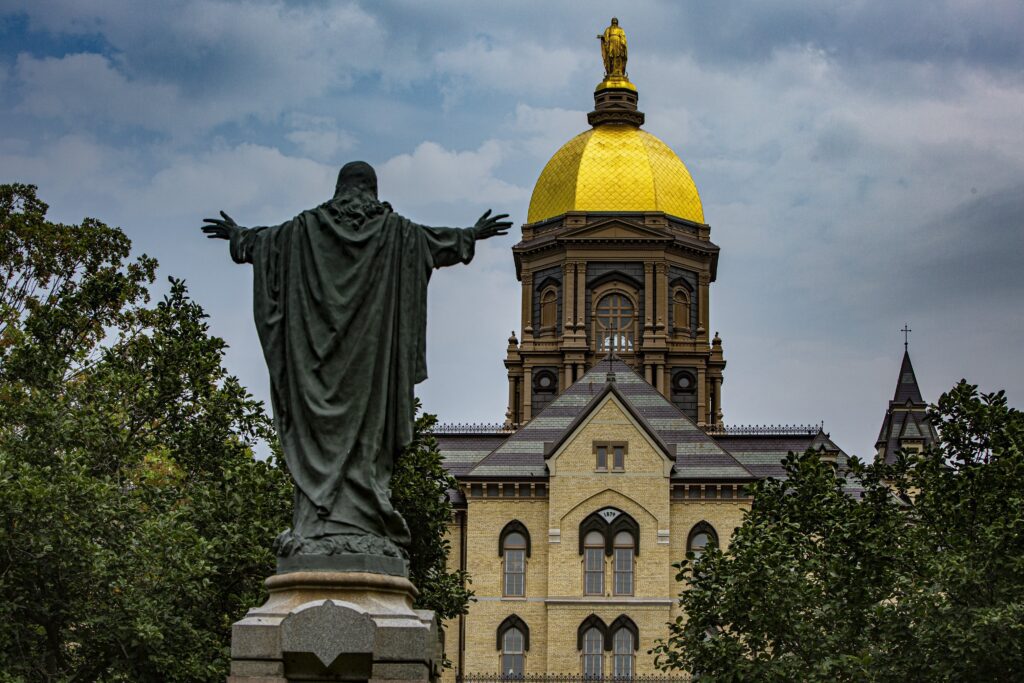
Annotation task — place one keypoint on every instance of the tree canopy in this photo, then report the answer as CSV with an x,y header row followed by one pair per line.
x,y
905,572
135,519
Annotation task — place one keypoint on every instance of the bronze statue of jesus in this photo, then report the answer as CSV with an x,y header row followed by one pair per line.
x,y
340,301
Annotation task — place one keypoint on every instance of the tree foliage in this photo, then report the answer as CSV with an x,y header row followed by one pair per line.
x,y
906,572
419,491
135,521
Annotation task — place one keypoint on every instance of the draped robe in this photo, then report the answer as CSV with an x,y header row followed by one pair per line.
x,y
341,308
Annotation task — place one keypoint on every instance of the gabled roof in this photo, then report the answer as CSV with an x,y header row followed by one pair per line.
x,y
696,454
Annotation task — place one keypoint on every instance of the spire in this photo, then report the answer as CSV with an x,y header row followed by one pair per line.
x,y
906,385
615,98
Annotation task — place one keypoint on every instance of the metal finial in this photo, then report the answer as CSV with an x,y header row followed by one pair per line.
x,y
906,335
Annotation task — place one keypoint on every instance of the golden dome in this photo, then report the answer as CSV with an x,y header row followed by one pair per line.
x,y
615,167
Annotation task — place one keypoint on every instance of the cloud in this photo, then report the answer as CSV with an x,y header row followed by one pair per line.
x,y
433,175
510,66
190,65
88,89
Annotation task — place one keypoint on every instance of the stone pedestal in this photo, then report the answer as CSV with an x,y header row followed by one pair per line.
x,y
336,626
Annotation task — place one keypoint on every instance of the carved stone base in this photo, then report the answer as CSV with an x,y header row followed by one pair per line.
x,y
336,626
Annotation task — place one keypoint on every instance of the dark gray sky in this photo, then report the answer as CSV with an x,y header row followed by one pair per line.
x,y
861,164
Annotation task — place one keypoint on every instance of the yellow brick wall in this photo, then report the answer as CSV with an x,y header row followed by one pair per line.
x,y
554,605
487,517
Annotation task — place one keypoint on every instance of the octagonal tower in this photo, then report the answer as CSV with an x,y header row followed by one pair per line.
x,y
616,258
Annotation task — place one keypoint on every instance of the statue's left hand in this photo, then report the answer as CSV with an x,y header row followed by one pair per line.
x,y
221,229
491,226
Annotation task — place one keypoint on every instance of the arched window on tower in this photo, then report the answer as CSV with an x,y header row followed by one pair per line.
x,y
681,310
514,548
513,642
615,315
548,311
701,536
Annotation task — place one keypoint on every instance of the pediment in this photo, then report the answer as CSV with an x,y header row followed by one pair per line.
x,y
615,230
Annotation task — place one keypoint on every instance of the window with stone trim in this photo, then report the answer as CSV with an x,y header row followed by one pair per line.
x,y
681,310
701,536
548,311
610,456
625,642
590,641
514,548
615,317
513,643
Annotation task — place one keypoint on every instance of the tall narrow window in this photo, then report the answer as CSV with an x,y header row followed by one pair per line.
x,y
618,458
512,657
548,310
593,564
623,563
681,310
622,653
515,565
602,457
593,661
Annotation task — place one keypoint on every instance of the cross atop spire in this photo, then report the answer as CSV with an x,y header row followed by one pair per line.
x,y
906,335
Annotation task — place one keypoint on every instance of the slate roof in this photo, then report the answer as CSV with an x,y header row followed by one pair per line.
x,y
907,415
762,454
697,456
462,452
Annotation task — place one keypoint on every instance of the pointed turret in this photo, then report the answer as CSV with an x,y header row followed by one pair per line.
x,y
906,424
906,386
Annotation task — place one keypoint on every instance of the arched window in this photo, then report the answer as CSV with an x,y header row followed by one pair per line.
x,y
624,546
591,641
615,314
625,641
513,642
622,657
593,563
681,310
593,657
514,547
701,536
548,310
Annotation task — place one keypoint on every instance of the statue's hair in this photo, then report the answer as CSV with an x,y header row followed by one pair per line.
x,y
355,195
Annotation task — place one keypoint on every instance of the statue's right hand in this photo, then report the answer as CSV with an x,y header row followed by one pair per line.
x,y
221,229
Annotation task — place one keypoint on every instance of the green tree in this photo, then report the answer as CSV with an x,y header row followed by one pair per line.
x,y
908,572
420,491
135,521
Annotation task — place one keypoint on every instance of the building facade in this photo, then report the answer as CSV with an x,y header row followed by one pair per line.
x,y
614,460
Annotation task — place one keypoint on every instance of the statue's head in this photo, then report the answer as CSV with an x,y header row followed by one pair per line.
x,y
357,175
615,21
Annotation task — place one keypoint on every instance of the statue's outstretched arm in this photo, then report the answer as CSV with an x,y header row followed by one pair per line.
x,y
491,226
226,228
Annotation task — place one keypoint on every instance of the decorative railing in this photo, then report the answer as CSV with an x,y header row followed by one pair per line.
x,y
764,430
471,428
573,678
